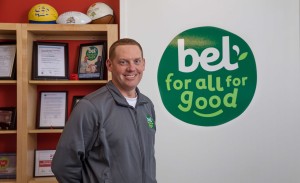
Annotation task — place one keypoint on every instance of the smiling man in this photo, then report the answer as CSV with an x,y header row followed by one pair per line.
x,y
110,134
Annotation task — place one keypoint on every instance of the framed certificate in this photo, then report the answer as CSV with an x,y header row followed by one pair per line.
x,y
76,99
8,60
92,59
52,109
8,118
7,166
42,163
50,61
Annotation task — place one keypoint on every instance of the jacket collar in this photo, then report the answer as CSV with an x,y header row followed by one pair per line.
x,y
120,99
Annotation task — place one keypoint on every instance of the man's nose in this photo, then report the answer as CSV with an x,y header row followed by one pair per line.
x,y
131,66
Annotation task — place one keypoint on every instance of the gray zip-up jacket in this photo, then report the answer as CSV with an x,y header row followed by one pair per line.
x,y
107,141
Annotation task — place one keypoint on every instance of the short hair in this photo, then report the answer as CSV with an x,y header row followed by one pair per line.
x,y
123,41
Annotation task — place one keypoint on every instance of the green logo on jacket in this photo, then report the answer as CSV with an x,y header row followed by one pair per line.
x,y
150,121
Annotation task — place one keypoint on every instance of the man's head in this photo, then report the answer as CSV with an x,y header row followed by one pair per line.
x,y
126,63
124,41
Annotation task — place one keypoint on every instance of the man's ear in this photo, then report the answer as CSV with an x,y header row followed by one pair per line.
x,y
144,64
108,64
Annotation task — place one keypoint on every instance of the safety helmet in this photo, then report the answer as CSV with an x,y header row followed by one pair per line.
x,y
42,14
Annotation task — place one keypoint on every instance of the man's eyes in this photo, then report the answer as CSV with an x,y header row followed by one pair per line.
x,y
126,62
123,62
138,61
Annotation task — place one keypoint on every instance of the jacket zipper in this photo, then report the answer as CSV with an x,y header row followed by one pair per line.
x,y
140,144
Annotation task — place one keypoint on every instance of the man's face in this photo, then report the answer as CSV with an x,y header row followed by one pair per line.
x,y
127,68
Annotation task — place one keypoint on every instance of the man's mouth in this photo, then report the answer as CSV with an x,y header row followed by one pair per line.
x,y
130,76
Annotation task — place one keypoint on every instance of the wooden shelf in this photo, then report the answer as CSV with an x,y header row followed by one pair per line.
x,y
70,32
44,180
67,82
8,30
7,181
6,82
35,131
8,132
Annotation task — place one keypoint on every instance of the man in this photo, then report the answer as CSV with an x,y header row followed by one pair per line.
x,y
110,134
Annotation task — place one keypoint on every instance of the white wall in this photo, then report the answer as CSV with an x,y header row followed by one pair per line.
x,y
263,144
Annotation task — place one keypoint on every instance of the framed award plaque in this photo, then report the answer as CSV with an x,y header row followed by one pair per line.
x,y
42,163
7,166
50,61
8,60
92,59
8,118
52,111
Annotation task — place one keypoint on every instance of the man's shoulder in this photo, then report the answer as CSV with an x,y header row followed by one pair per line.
x,y
97,94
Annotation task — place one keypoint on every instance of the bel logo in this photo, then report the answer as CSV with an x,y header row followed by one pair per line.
x,y
92,53
207,76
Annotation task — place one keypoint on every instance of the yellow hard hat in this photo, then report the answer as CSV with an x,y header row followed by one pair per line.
x,y
43,14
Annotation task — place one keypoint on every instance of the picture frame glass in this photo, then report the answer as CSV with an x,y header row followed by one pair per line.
x,y
52,109
50,61
91,62
8,52
42,164
8,118
8,165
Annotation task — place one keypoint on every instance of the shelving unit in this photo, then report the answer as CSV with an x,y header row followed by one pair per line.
x,y
8,32
27,134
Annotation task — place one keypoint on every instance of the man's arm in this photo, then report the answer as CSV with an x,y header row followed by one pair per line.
x,y
69,157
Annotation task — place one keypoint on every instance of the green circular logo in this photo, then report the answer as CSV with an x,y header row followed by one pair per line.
x,y
207,76
91,53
